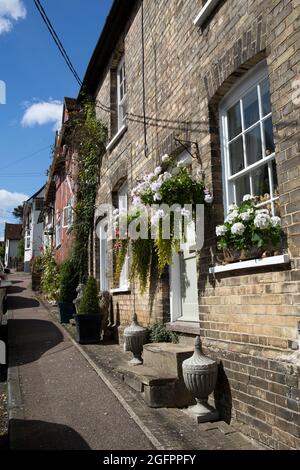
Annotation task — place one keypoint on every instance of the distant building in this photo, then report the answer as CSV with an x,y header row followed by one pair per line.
x,y
32,228
60,191
12,237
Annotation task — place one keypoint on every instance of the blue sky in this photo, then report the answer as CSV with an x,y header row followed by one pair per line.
x,y
37,79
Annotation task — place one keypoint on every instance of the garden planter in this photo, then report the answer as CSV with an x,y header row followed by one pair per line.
x,y
88,328
200,377
66,311
135,337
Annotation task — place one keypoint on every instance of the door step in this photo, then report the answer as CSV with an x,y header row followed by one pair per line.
x,y
159,379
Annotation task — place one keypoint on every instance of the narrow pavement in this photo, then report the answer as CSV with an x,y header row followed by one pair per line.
x,y
63,404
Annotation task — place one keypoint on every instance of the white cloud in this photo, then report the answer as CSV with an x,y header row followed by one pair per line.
x,y
9,200
10,11
44,112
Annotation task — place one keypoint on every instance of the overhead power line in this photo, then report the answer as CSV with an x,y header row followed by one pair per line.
x,y
24,158
57,41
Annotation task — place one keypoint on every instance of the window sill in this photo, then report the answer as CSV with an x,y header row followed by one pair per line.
x,y
116,138
205,12
252,263
121,290
191,328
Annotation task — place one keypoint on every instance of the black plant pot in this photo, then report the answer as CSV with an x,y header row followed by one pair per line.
x,y
88,328
66,311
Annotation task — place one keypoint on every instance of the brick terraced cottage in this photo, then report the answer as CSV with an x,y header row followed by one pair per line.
x,y
217,79
60,192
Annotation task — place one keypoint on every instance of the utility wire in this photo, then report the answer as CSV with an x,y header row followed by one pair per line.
x,y
57,41
25,158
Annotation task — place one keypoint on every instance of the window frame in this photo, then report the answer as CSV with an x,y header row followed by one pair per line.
x,y
122,195
244,85
58,230
121,102
27,239
68,215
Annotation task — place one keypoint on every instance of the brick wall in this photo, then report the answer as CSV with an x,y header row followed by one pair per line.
x,y
247,319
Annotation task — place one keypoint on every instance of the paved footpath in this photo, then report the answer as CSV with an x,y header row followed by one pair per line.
x,y
56,399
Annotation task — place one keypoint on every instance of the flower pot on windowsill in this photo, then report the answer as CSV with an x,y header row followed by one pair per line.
x,y
88,328
66,311
233,256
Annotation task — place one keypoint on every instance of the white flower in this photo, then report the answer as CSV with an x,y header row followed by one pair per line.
x,y
208,198
165,158
231,216
221,230
136,201
185,212
232,207
155,186
262,220
245,216
238,229
157,170
167,176
116,212
275,221
157,197
248,197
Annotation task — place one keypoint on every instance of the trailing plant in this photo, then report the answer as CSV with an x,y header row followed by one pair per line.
x,y
160,334
68,281
169,186
89,303
247,226
87,136
36,264
21,248
50,276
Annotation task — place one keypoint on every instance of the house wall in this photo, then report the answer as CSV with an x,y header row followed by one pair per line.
x,y
64,190
248,319
36,234
11,252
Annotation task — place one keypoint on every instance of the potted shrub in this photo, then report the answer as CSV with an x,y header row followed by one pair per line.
x,y
88,318
249,232
68,282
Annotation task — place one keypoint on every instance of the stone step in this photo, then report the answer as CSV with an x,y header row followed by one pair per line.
x,y
158,389
167,357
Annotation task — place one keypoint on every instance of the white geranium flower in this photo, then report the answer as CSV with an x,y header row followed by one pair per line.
x,y
136,201
221,230
275,221
208,198
231,216
238,229
167,176
157,197
262,220
248,197
155,186
158,170
232,207
165,158
245,216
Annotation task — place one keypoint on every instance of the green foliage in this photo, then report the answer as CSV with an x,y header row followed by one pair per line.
x,y
120,247
21,248
36,264
68,280
2,251
50,276
18,212
141,261
87,136
90,303
160,334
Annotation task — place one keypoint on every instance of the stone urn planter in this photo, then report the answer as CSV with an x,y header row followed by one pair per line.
x,y
135,337
200,377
